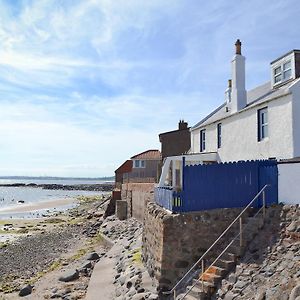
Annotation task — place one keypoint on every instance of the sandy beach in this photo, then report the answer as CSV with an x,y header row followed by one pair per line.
x,y
31,207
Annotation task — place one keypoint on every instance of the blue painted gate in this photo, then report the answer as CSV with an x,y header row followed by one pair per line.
x,y
225,185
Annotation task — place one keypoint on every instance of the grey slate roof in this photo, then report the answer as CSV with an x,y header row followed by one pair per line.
x,y
255,97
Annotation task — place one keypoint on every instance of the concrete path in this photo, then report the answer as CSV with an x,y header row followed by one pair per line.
x,y
101,283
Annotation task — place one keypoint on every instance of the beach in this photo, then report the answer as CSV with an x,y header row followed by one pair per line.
x,y
79,253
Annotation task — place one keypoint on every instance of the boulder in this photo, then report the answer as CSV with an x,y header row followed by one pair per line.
x,y
26,290
69,276
93,256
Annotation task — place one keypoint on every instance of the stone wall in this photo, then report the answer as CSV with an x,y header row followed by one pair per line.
x,y
137,196
270,268
172,243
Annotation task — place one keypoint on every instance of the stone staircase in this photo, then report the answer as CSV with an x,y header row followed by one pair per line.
x,y
203,286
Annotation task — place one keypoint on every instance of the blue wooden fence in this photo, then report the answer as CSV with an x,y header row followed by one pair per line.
x,y
225,185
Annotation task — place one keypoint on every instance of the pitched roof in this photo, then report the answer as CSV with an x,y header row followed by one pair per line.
x,y
126,167
176,130
148,155
256,96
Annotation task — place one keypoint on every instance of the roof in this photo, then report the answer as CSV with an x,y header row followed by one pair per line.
x,y
126,167
176,130
148,155
290,160
282,56
256,96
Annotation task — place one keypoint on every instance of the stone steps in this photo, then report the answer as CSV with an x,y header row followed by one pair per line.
x,y
206,285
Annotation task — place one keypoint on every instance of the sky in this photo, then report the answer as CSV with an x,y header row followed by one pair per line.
x,y
85,85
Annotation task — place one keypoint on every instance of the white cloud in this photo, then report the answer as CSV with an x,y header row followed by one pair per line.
x,y
86,84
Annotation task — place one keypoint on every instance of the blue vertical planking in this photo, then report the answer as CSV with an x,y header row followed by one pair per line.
x,y
227,185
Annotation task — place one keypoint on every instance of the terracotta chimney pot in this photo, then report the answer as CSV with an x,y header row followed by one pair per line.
x,y
238,47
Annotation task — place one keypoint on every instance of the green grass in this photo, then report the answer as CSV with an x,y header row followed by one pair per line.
x,y
79,254
3,245
137,256
87,199
54,221
54,266
8,285
97,239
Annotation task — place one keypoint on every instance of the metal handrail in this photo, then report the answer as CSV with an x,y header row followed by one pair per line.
x,y
218,239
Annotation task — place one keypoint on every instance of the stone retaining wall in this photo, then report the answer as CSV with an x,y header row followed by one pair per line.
x,y
137,196
172,243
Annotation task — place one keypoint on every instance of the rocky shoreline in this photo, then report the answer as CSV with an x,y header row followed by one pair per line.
x,y
101,187
270,269
57,255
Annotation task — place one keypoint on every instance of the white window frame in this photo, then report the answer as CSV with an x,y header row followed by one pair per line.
x,y
219,135
263,125
280,64
139,163
202,140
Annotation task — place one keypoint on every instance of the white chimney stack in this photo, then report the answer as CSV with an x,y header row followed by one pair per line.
x,y
238,90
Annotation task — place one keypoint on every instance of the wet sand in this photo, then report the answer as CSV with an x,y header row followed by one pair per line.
x,y
31,207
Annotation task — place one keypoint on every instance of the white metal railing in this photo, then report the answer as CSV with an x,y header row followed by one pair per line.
x,y
240,235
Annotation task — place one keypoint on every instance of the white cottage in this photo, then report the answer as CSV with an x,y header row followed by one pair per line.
x,y
258,124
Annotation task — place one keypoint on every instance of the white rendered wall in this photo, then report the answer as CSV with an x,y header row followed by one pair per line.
x,y
288,183
296,117
238,91
239,134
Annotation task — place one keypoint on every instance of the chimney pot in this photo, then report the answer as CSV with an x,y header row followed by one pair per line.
x,y
238,47
182,125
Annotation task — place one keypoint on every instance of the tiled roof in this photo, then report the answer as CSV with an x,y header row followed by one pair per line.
x,y
256,96
126,167
148,155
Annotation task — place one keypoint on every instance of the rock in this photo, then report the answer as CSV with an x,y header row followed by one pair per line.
x,y
232,278
140,296
26,290
295,293
70,276
292,227
261,295
93,256
140,290
87,265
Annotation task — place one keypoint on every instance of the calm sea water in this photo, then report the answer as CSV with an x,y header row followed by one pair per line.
x,y
9,196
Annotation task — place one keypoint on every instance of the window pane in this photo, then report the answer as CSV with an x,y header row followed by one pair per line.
x,y
136,163
202,140
264,131
262,123
264,117
287,65
277,70
287,74
142,164
277,78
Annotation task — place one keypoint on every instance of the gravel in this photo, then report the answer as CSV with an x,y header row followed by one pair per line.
x,y
20,260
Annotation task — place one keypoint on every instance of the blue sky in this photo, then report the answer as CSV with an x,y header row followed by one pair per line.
x,y
86,84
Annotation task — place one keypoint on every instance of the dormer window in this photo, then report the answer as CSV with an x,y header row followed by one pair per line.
x,y
283,72
285,68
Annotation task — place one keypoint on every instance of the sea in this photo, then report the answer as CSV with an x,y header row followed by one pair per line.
x,y
12,196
